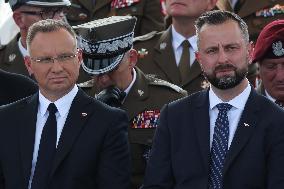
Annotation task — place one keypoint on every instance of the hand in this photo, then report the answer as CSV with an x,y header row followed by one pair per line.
x,y
111,96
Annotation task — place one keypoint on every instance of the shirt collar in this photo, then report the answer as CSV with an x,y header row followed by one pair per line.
x,y
178,39
23,51
63,104
269,97
132,82
238,102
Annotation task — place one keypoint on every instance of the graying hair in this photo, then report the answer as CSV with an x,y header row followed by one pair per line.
x,y
46,26
216,17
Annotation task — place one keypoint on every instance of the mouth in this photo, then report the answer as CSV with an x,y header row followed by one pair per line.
x,y
57,79
177,4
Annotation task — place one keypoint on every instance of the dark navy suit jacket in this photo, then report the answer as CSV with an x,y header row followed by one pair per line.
x,y
181,150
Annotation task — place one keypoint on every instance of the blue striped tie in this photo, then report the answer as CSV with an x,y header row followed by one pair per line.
x,y
219,146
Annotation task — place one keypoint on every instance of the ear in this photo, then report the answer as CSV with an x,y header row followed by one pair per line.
x,y
28,64
133,57
80,56
197,55
250,49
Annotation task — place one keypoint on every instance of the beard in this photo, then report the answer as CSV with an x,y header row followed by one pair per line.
x,y
227,81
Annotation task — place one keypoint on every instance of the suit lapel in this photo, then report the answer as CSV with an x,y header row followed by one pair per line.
x,y
195,71
249,7
164,57
27,134
78,115
201,123
246,125
139,92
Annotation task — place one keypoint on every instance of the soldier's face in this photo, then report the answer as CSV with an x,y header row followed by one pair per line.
x,y
223,54
271,72
58,76
189,8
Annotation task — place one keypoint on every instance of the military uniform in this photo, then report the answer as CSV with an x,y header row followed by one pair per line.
x,y
143,104
256,13
157,58
148,13
12,60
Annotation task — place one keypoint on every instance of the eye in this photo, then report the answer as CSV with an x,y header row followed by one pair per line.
x,y
270,66
45,60
211,51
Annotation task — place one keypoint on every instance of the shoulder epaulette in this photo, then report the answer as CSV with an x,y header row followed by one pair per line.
x,y
156,81
86,84
146,36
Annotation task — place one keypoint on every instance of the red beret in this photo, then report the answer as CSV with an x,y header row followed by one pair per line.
x,y
270,42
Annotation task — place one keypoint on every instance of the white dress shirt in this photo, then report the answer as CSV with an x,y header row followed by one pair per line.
x,y
23,50
63,106
177,47
234,114
131,84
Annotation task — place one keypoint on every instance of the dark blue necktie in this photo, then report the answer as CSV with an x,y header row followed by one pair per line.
x,y
47,149
219,146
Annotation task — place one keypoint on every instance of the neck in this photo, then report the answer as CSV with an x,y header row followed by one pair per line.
x,y
184,26
228,94
125,82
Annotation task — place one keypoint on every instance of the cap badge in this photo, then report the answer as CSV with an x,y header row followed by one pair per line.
x,y
140,92
12,57
278,48
163,46
142,53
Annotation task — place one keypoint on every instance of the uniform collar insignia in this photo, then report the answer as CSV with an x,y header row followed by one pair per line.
x,y
278,48
163,46
140,92
12,57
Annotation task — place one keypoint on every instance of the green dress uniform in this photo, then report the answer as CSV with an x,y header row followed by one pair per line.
x,y
12,60
148,13
143,103
156,56
256,13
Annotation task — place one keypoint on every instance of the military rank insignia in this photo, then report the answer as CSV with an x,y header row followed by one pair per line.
x,y
146,120
270,12
118,4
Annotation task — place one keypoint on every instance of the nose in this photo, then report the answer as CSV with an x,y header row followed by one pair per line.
x,y
222,56
56,66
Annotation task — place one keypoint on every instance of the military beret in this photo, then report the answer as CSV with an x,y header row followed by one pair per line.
x,y
39,3
104,42
270,42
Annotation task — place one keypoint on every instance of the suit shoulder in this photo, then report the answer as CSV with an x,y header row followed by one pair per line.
x,y
154,81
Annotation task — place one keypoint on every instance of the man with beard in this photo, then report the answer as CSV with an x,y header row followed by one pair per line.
x,y
226,137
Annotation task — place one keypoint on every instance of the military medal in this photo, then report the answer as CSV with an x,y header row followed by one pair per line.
x,y
118,4
146,120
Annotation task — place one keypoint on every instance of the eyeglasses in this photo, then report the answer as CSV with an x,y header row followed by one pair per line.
x,y
46,14
64,58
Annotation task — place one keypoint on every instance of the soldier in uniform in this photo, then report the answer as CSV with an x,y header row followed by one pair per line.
x,y
108,55
148,12
269,53
256,13
162,53
15,87
25,13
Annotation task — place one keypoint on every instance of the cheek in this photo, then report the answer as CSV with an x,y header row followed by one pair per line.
x,y
266,75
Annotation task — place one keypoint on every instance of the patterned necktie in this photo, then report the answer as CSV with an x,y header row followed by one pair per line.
x,y
219,146
47,149
184,64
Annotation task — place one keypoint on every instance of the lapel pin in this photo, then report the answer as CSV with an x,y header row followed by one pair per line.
x,y
163,46
84,114
12,57
140,92
246,125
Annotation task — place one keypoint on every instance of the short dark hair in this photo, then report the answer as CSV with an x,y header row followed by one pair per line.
x,y
216,17
48,25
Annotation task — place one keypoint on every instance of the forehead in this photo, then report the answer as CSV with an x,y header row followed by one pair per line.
x,y
226,33
53,41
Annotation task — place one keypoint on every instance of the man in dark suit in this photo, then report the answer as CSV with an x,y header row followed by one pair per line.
x,y
121,84
148,12
269,54
60,137
228,137
15,87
